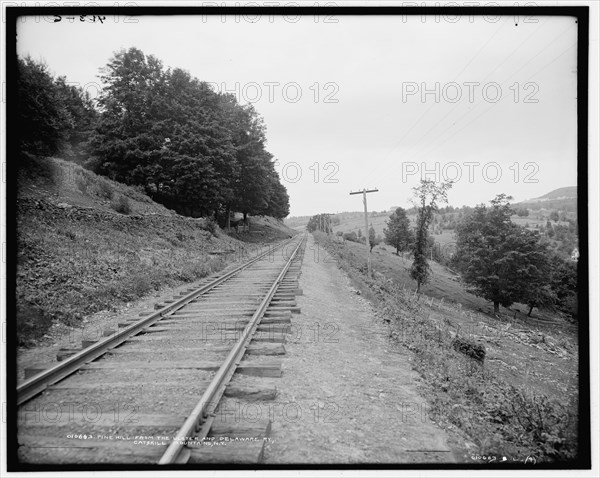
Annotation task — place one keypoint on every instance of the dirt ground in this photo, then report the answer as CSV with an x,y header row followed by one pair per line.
x,y
347,395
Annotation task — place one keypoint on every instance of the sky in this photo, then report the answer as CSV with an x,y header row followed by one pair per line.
x,y
353,102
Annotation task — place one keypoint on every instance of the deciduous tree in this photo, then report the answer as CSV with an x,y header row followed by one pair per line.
x,y
51,113
499,260
398,233
427,197
372,238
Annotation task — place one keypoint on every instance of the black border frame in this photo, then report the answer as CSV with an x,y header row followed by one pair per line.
x,y
581,13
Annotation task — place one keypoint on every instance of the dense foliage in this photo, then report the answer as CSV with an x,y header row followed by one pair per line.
x,y
320,222
502,261
195,150
53,116
192,149
563,283
398,233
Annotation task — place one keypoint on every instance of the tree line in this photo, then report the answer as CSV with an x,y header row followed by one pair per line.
x,y
196,151
498,260
562,237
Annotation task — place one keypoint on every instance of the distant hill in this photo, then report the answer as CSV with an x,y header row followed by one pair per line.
x,y
296,221
561,199
561,193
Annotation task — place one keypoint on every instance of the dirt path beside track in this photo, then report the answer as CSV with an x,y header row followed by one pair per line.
x,y
347,394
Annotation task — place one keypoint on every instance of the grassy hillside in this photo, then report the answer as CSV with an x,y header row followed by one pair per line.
x,y
560,193
445,284
296,221
355,222
86,243
561,199
444,240
519,400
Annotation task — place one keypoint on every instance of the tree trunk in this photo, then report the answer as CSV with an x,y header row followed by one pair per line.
x,y
228,212
530,310
496,307
418,286
397,251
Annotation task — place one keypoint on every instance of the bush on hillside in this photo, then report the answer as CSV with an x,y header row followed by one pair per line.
x,y
350,236
121,205
210,225
104,189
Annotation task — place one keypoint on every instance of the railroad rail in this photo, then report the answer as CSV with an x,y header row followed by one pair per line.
x,y
87,408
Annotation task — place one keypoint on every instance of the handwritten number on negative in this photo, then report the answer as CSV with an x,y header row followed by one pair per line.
x,y
82,18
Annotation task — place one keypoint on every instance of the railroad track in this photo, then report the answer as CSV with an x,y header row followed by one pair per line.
x,y
171,387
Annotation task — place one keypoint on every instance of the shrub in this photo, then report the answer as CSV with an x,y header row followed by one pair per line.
x,y
194,270
139,193
210,225
104,189
82,183
32,323
121,205
140,285
350,236
552,426
469,348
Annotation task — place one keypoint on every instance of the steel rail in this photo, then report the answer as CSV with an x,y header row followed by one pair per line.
x,y
200,419
39,382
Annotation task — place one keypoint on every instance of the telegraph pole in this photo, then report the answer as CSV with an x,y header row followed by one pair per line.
x,y
367,242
